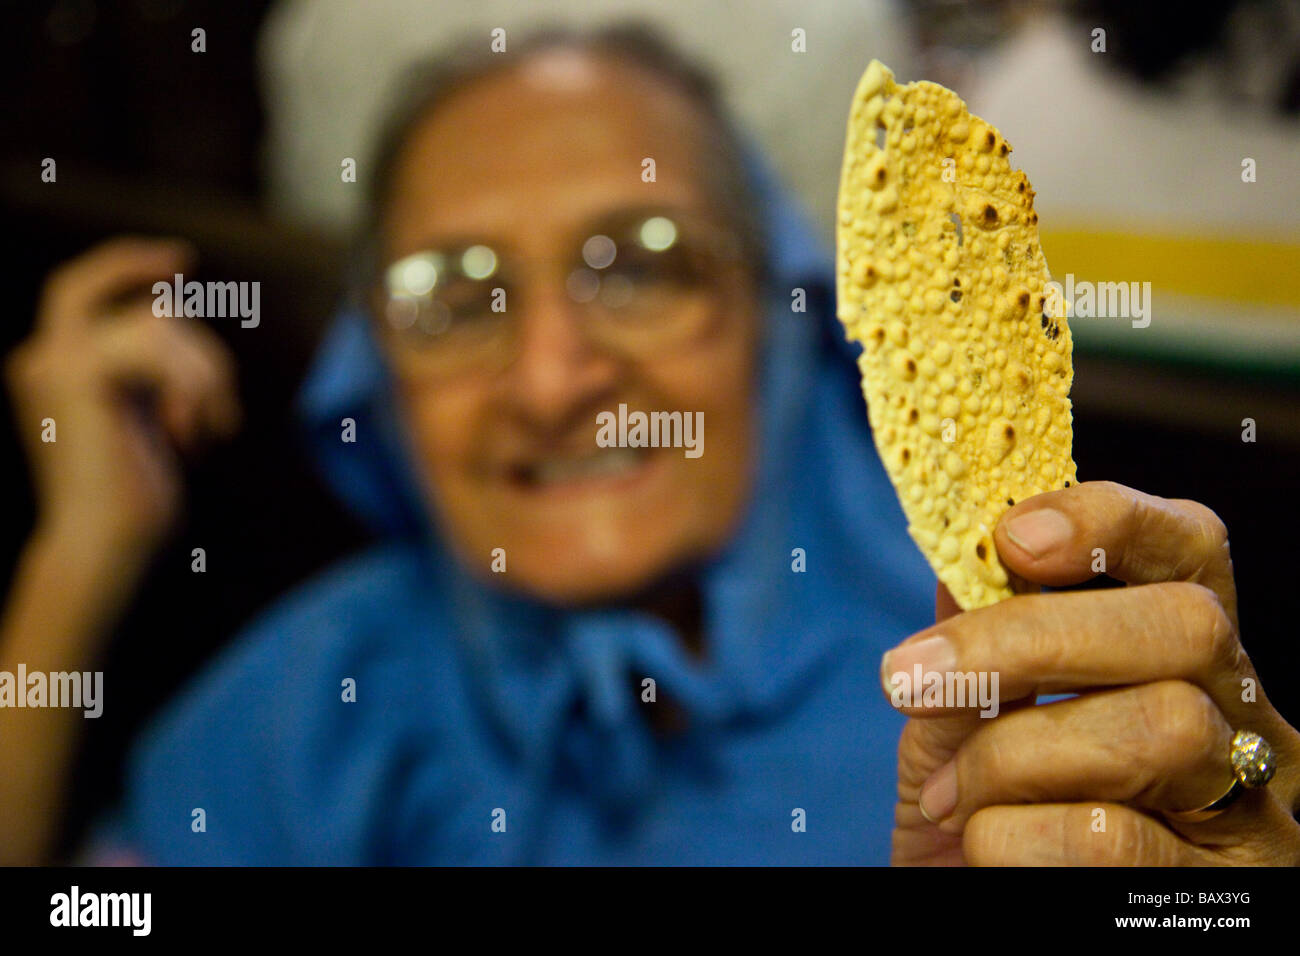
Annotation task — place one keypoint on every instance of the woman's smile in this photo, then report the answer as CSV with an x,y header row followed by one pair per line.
x,y
559,473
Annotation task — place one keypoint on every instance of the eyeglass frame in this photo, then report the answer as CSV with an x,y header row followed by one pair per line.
x,y
721,244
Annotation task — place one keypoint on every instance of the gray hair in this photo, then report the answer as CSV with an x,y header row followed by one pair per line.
x,y
430,82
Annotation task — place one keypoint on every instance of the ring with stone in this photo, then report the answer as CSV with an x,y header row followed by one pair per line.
x,y
1252,764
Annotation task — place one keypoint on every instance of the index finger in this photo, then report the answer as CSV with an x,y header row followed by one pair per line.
x,y
79,289
1070,535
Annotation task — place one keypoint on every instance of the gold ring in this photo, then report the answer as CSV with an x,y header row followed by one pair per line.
x,y
1252,764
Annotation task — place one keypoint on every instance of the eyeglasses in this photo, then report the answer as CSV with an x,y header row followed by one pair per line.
x,y
646,281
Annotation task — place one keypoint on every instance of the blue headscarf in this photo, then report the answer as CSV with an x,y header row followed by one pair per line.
x,y
490,728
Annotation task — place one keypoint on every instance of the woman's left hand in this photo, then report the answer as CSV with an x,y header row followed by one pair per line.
x,y
1163,684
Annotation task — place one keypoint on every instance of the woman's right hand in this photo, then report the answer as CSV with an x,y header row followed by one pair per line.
x,y
120,391
126,390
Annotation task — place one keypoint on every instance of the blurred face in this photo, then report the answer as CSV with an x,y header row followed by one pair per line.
x,y
516,173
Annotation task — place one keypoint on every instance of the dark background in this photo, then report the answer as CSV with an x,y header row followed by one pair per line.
x,y
152,139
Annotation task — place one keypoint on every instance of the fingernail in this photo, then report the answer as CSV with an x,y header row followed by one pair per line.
x,y
932,654
939,793
1040,531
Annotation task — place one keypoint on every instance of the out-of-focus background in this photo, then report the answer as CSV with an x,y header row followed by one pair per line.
x,y
1137,139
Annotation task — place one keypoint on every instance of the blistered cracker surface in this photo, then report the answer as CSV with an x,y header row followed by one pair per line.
x,y
955,334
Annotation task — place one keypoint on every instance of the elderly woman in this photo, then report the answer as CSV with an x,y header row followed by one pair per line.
x,y
571,653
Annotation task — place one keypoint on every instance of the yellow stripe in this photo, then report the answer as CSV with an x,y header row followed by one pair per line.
x,y
1245,270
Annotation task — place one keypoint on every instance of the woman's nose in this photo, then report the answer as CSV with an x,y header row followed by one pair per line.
x,y
557,372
